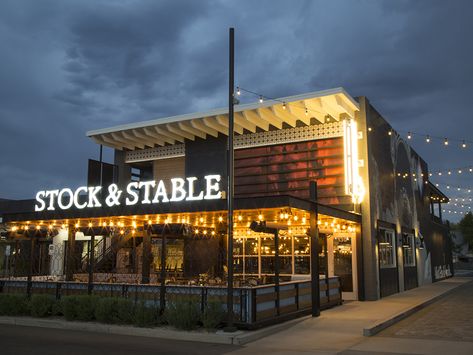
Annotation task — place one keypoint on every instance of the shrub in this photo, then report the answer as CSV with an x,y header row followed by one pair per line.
x,y
213,315
145,315
41,305
183,314
114,310
13,305
79,307
57,308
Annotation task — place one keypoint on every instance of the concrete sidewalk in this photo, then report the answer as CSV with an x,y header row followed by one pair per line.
x,y
336,329
341,328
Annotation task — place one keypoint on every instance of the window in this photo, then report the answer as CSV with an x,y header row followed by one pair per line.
x,y
387,248
408,249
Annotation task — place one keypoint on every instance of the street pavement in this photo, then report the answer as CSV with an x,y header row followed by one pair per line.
x,y
19,340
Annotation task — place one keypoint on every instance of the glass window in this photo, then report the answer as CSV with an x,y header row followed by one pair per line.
x,y
237,246
267,245
301,245
251,246
238,265
267,265
285,245
408,249
251,265
387,248
301,264
285,265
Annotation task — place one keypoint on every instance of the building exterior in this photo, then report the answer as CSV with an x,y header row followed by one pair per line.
x,y
378,216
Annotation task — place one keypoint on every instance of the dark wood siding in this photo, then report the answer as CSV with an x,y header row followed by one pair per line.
x,y
287,169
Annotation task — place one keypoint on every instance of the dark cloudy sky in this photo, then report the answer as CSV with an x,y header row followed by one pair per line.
x,y
71,66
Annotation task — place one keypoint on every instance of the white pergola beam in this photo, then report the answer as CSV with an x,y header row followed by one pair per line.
x,y
212,123
132,137
148,138
121,138
200,125
284,114
166,133
298,109
315,109
160,137
241,121
113,141
179,131
223,120
267,115
185,126
254,118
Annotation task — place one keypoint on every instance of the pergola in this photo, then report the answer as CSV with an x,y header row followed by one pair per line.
x,y
323,106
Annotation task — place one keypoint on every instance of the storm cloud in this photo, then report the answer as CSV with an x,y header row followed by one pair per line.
x,y
69,67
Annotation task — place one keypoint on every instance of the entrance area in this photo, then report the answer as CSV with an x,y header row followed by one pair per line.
x,y
342,262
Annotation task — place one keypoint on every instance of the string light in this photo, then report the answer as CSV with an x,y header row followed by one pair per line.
x,y
410,134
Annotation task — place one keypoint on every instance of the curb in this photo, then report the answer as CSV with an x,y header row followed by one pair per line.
x,y
220,337
385,323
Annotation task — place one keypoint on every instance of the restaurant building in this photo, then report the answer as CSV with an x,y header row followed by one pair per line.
x,y
163,202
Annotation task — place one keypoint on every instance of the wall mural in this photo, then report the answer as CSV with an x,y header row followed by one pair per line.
x,y
398,197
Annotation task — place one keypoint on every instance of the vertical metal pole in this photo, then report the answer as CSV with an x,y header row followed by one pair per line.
x,y
31,266
145,267
327,291
276,270
231,86
135,269
314,251
101,166
90,285
162,291
70,265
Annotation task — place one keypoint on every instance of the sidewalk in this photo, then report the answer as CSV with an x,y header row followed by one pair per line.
x,y
342,327
335,330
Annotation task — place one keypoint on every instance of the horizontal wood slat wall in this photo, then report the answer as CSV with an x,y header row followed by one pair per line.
x,y
287,169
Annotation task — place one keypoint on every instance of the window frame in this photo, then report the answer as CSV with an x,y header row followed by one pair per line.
x,y
382,248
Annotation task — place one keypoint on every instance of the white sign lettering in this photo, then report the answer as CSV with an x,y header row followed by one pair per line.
x,y
143,192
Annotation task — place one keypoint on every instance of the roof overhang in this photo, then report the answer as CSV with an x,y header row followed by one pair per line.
x,y
333,104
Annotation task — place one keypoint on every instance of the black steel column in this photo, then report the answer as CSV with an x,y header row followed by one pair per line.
x,y
276,270
231,86
314,251
145,267
70,265
90,285
135,269
30,265
162,291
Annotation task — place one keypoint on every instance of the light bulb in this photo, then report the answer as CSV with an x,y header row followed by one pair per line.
x,y
409,136
445,142
260,99
427,139
238,91
463,144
